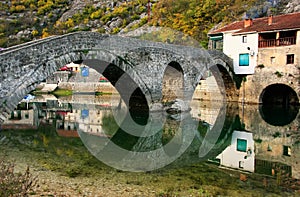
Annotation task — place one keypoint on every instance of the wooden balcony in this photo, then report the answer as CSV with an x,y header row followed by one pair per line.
x,y
277,42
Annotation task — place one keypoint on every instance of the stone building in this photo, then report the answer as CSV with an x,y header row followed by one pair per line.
x,y
266,54
265,51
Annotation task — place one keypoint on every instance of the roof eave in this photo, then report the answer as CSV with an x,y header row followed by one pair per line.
x,y
224,32
242,33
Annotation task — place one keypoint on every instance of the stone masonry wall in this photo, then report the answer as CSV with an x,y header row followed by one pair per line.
x,y
254,85
24,66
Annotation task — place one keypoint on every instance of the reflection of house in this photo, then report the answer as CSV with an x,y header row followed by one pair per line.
x,y
272,168
280,149
67,133
21,118
87,120
240,154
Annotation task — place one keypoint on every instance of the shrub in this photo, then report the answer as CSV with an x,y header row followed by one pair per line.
x,y
97,14
15,184
278,74
260,66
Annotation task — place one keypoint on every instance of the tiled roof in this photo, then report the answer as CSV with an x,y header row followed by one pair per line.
x,y
280,22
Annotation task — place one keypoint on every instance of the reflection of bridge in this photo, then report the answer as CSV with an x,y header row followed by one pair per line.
x,y
138,69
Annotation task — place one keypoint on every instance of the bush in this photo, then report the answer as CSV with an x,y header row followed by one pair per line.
x,y
15,184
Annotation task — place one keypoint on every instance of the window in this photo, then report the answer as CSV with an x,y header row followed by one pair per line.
x,y
290,59
241,164
287,150
241,145
272,60
244,59
244,39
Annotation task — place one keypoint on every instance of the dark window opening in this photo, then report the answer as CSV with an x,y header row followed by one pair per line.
x,y
241,164
286,150
290,59
244,40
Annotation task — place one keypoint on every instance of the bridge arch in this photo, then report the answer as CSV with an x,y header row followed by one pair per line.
x,y
279,104
25,66
173,83
278,93
149,60
228,83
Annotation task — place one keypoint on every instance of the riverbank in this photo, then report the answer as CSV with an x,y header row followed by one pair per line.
x,y
64,167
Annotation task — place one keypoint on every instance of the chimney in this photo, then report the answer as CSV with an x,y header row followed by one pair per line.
x,y
270,20
248,22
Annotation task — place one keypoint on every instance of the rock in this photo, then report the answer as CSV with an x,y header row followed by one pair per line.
x,y
292,6
116,22
177,106
156,107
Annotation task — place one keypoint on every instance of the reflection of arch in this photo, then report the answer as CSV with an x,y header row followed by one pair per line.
x,y
147,151
280,104
278,115
173,82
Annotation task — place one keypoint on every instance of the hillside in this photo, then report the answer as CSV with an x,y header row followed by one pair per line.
x,y
25,20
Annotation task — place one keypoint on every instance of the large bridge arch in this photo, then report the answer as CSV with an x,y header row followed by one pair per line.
x,y
24,66
279,104
152,63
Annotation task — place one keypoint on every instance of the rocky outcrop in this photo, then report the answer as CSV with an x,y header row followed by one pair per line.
x,y
292,6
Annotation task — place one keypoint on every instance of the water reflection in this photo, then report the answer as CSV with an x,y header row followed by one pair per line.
x,y
287,114
224,134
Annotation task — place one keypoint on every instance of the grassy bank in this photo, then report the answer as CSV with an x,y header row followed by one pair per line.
x,y
62,92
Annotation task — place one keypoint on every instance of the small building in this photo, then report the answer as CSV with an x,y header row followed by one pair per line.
x,y
266,53
74,67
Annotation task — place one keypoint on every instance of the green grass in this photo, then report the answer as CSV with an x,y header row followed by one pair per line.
x,y
62,92
103,93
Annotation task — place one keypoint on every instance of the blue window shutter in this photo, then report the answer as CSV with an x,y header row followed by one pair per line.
x,y
244,59
241,145
84,113
84,71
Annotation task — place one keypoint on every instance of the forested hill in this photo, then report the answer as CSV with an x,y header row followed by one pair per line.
x,y
25,20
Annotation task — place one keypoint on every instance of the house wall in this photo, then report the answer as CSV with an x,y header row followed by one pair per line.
x,y
279,54
233,46
272,73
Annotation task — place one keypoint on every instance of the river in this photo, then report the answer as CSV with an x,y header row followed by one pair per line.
x,y
93,146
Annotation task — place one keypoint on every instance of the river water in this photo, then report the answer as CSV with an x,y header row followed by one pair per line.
x,y
255,143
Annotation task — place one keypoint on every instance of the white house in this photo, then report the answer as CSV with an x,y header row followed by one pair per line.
x,y
252,42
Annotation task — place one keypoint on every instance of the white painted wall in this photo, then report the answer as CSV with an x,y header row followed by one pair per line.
x,y
230,157
233,46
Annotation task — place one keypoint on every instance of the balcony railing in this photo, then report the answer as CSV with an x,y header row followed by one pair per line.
x,y
277,42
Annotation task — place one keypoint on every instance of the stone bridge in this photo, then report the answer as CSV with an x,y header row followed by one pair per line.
x,y
146,74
